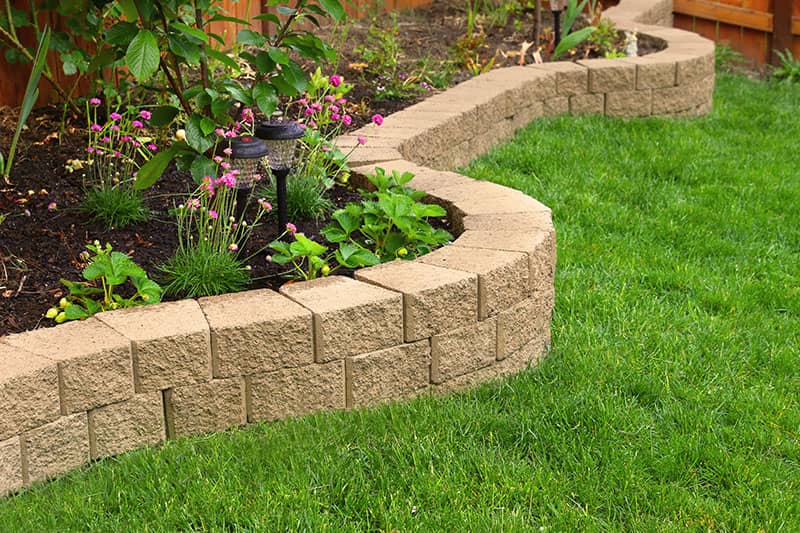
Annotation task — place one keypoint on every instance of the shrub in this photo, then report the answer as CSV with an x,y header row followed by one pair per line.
x,y
203,271
305,197
115,206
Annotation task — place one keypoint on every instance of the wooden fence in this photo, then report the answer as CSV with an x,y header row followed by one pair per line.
x,y
753,27
14,77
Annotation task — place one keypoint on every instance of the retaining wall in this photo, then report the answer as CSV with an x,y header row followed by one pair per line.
x,y
469,312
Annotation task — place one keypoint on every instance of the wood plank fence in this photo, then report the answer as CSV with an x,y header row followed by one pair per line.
x,y
14,77
753,27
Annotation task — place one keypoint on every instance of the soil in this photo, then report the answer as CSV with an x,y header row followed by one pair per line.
x,y
40,244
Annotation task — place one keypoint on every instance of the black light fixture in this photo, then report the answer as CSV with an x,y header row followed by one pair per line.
x,y
556,7
281,140
247,153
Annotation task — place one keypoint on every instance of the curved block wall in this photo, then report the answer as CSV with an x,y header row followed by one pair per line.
x,y
474,310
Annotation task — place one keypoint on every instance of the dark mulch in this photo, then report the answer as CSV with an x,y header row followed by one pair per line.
x,y
39,246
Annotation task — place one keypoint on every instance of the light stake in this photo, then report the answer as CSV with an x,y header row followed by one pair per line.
x,y
247,153
281,140
555,8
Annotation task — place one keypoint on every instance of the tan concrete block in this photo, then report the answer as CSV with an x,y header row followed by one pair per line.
x,y
94,362
257,331
502,276
522,323
571,78
205,407
425,178
390,374
556,106
367,155
127,425
696,68
434,299
629,103
346,143
296,391
350,317
10,466
55,448
609,75
654,71
524,358
171,343
479,199
28,390
539,247
539,220
674,100
587,104
463,350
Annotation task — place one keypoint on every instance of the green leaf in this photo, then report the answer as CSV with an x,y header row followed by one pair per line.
x,y
220,107
128,8
163,115
334,233
80,289
429,210
75,312
250,37
148,289
123,268
264,63
303,246
572,40
269,17
349,218
202,167
278,55
265,97
224,18
292,80
207,125
184,48
334,9
143,56
223,58
239,94
195,33
149,173
121,33
195,137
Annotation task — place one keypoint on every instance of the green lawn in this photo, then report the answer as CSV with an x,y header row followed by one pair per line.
x,y
670,401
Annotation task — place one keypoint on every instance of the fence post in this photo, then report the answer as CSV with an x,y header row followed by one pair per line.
x,y
781,28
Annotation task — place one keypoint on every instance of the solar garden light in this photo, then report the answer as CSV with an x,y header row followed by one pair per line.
x,y
246,155
281,140
555,7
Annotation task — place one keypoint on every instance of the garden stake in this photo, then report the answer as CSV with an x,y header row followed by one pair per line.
x,y
281,139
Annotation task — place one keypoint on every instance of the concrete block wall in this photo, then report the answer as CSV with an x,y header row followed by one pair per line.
x,y
474,310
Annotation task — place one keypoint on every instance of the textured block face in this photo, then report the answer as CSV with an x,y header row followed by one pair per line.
x,y
171,343
127,425
257,331
205,407
571,78
56,448
28,391
463,350
391,374
556,106
540,247
540,220
350,317
10,466
521,324
629,103
296,391
434,299
696,68
609,75
93,359
654,73
502,276
587,104
682,98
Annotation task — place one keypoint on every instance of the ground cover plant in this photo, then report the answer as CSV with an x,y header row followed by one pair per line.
x,y
668,402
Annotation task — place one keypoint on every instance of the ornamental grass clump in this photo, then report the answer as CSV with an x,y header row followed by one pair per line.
x,y
210,238
115,151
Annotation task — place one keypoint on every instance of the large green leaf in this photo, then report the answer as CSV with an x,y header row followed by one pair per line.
x,y
153,169
121,33
143,56
162,115
572,40
223,58
148,289
184,48
252,38
265,97
195,137
195,33
334,9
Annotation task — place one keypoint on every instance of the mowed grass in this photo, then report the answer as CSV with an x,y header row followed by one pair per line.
x,y
670,400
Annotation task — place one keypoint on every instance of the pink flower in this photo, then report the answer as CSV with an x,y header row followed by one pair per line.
x,y
347,120
303,101
334,108
117,153
96,127
326,148
145,114
247,114
105,139
90,150
341,101
265,205
316,106
225,165
230,134
335,80
52,206
227,151
377,119
291,228
308,111
312,123
361,140
137,144
137,124
95,101
233,247
152,147
213,214
115,116
114,127
330,98
218,158
98,151
227,180
193,204
126,138
257,177
220,132
336,116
